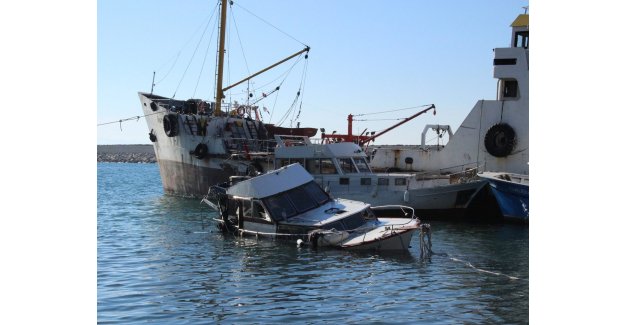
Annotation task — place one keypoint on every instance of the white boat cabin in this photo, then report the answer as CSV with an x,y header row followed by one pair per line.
x,y
289,196
338,167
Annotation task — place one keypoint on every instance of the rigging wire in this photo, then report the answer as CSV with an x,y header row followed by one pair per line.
x,y
199,77
240,43
268,23
128,119
286,115
191,59
395,110
302,85
381,119
170,68
185,45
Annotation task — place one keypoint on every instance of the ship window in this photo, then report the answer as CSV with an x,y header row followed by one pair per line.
x,y
232,208
400,181
327,166
279,207
522,39
302,201
362,166
300,161
382,181
247,208
347,165
365,181
510,88
344,181
315,192
281,162
258,211
353,221
312,166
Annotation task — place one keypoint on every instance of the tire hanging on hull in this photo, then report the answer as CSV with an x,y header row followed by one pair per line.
x,y
200,151
500,140
170,125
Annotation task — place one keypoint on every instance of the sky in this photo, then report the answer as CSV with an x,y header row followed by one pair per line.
x,y
366,57
68,65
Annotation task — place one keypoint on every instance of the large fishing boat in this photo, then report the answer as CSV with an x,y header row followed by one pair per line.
x,y
199,143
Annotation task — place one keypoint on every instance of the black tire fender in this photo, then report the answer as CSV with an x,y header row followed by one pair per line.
x,y
201,151
500,140
170,125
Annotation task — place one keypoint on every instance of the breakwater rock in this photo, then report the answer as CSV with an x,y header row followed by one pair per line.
x,y
130,153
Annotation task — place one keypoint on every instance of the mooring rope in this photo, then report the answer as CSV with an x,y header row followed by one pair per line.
x,y
136,118
425,241
482,270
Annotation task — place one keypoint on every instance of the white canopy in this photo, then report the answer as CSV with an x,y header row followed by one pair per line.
x,y
273,182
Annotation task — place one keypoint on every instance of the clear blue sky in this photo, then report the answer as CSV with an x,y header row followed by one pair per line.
x,y
366,56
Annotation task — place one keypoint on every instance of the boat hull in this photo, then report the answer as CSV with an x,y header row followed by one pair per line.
x,y
395,241
187,180
183,172
512,198
426,198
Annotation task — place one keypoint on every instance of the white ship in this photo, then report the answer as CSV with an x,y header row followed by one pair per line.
x,y
494,136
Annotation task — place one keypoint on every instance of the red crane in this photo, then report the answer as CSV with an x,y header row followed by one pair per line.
x,y
363,140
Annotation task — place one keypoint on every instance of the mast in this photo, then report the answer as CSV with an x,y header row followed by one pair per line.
x,y
220,62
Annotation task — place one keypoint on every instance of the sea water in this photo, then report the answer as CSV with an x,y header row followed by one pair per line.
x,y
162,260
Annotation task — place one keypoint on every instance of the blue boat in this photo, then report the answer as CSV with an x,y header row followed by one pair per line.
x,y
511,192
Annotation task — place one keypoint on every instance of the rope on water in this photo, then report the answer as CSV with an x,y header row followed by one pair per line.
x,y
482,270
425,240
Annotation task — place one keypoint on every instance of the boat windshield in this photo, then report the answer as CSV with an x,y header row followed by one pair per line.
x,y
295,201
361,164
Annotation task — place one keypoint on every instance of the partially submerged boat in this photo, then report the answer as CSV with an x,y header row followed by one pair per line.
x,y
287,204
511,192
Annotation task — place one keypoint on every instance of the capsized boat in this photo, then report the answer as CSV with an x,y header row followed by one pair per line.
x,y
511,192
287,204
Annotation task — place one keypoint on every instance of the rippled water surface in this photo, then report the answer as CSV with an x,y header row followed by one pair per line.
x,y
161,260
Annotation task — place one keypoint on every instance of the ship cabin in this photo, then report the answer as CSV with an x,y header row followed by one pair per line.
x,y
340,167
510,62
287,200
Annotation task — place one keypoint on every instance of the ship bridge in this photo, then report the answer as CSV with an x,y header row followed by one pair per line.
x,y
512,63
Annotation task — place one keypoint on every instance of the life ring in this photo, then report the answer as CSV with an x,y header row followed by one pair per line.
x,y
201,151
500,140
241,111
170,124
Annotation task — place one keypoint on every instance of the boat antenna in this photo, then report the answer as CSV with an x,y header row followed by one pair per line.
x,y
220,62
526,7
153,75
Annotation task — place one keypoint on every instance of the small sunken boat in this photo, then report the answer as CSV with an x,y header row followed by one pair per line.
x,y
287,204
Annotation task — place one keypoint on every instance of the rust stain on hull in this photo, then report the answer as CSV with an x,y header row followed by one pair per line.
x,y
186,180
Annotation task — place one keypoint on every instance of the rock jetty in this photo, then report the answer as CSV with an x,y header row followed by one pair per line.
x,y
129,153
